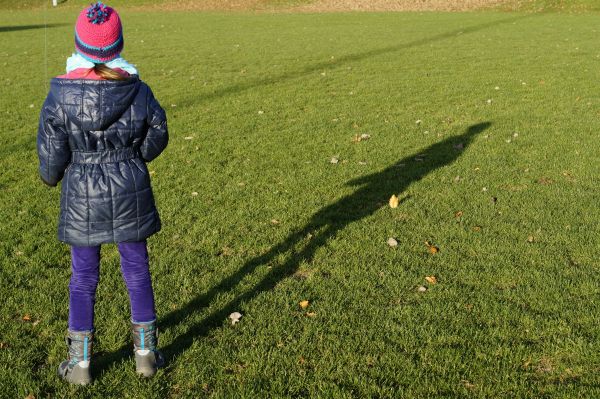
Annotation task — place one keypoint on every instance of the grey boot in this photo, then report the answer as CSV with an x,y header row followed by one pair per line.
x,y
76,369
145,340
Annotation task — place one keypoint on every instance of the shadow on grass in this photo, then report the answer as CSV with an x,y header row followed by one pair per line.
x,y
300,246
28,27
373,194
332,64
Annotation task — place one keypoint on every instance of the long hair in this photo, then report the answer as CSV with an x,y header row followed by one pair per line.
x,y
107,73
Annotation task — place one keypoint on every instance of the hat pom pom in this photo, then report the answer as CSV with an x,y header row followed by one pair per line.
x,y
97,13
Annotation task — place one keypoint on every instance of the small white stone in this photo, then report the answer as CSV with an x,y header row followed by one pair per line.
x,y
194,194
418,121
392,242
261,112
421,288
334,160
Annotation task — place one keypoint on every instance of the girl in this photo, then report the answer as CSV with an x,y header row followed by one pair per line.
x,y
99,126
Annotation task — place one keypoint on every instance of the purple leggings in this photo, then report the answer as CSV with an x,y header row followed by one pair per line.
x,y
85,262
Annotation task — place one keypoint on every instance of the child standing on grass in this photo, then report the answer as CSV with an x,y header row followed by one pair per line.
x,y
99,126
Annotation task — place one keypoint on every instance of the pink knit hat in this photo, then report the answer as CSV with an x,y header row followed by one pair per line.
x,y
99,34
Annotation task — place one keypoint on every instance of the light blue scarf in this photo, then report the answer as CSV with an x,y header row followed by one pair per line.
x,y
77,61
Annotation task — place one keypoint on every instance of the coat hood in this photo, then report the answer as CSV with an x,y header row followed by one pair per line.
x,y
94,104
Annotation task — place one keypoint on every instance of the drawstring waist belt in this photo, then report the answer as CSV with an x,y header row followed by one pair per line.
x,y
107,156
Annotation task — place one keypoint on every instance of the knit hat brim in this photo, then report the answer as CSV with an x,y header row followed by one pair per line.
x,y
97,54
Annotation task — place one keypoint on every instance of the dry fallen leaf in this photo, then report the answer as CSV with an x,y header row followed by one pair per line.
x,y
421,288
394,201
26,318
274,221
476,228
530,239
304,304
310,314
432,248
235,317
194,194
334,160
225,251
458,214
431,279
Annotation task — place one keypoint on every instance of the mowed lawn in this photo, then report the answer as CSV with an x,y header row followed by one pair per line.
x,y
485,125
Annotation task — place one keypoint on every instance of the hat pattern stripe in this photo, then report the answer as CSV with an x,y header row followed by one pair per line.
x,y
98,61
87,46
98,55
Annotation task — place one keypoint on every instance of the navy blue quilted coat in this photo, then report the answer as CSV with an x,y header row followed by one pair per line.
x,y
97,135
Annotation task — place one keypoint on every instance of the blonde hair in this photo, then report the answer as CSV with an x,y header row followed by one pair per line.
x,y
107,73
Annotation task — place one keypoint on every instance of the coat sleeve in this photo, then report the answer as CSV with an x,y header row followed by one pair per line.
x,y
157,137
53,148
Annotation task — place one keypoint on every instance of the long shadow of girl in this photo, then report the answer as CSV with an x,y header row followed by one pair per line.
x,y
374,191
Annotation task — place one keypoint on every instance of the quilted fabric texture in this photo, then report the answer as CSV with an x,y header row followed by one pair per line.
x,y
99,134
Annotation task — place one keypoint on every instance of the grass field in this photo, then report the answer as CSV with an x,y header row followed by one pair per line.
x,y
484,124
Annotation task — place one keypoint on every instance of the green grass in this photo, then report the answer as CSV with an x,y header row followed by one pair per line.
x,y
508,318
